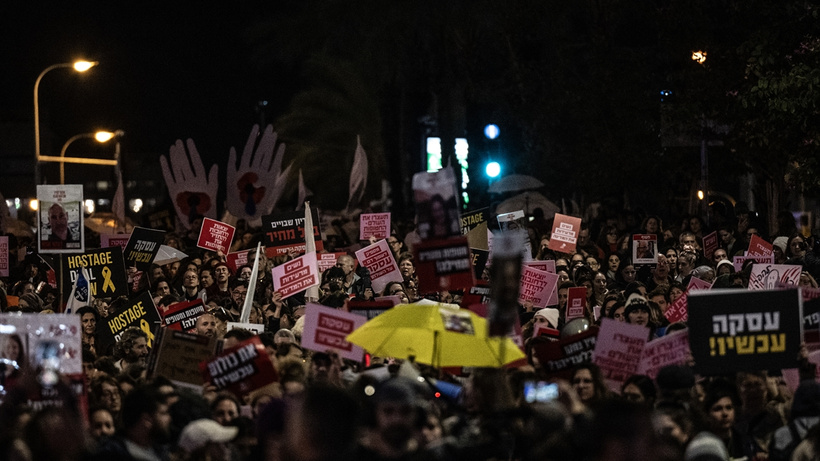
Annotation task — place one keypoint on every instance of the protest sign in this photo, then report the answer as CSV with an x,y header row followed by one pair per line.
x,y
672,349
811,314
295,276
473,219
327,260
107,277
443,264
698,284
370,309
236,260
477,294
516,222
215,235
546,266
138,312
256,328
538,286
557,358
739,261
645,249
375,225
576,302
768,276
478,237
759,247
710,244
286,232
436,204
479,259
183,316
4,256
39,337
162,220
176,355
379,260
327,328
505,283
114,240
142,247
792,375
678,310
618,350
743,330
60,219
240,369
564,233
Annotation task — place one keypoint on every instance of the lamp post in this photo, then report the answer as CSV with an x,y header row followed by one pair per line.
x,y
100,136
79,66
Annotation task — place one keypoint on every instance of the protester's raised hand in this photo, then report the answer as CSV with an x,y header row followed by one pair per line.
x,y
256,185
193,193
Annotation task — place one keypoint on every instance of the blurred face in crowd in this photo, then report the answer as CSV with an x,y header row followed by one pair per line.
x,y
162,289
593,263
563,294
719,255
613,262
111,397
102,424
139,351
406,268
672,257
206,325
722,415
639,317
619,314
346,264
221,274
599,283
206,279
628,273
674,294
652,225
662,269
89,323
190,280
583,384
225,412
660,301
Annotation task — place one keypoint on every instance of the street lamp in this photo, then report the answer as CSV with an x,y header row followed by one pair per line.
x,y
79,66
100,136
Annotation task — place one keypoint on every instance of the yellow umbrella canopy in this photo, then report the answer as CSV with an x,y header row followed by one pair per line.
x,y
435,334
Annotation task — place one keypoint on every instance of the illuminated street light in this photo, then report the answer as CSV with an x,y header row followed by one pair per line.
x,y
699,56
100,136
79,66
493,169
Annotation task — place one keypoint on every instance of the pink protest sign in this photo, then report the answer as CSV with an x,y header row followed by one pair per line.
x,y
374,225
215,235
4,256
564,233
678,311
382,265
546,266
710,244
114,240
296,275
759,247
327,328
618,350
328,260
236,260
537,287
672,349
768,276
738,261
576,302
698,284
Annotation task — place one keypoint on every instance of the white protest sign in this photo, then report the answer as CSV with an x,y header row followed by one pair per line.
x,y
618,350
295,276
382,265
326,329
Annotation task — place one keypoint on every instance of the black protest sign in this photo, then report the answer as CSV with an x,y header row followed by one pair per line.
x,y
811,314
557,358
443,265
107,272
142,247
479,259
473,219
286,231
183,316
138,312
740,330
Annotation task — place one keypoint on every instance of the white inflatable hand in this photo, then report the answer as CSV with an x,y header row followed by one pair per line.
x,y
256,186
192,192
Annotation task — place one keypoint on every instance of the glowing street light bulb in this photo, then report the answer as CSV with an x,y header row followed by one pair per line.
x,y
103,136
82,66
699,56
700,195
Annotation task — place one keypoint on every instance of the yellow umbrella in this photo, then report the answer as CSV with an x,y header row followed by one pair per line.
x,y
435,334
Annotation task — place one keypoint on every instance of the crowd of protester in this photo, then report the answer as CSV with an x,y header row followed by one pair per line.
x,y
327,408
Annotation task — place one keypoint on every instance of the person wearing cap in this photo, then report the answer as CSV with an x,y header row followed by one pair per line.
x,y
206,439
546,318
724,267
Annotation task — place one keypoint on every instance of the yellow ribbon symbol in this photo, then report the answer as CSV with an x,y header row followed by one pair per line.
x,y
144,326
106,272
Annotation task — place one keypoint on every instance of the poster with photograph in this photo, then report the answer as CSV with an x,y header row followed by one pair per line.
x,y
4,256
436,204
645,249
60,219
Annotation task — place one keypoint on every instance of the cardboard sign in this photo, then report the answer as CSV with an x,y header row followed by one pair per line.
x,y
546,266
769,276
296,276
107,274
285,232
743,330
215,235
382,265
576,302
374,225
645,249
142,247
326,329
236,260
176,355
618,350
759,247
183,316
538,286
4,256
443,265
473,219
559,357
479,259
114,240
564,233
60,219
672,349
55,335
240,369
710,244
138,312
327,260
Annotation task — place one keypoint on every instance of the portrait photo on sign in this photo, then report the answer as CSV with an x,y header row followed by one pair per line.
x,y
12,355
60,217
436,205
645,249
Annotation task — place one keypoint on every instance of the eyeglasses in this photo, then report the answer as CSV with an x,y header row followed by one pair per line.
x,y
392,242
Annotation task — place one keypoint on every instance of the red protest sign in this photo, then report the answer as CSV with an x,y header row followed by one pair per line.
x,y
382,265
557,358
236,260
241,369
215,235
295,276
710,244
537,286
114,240
564,233
182,316
672,349
4,256
326,329
678,310
327,260
759,247
576,302
618,350
374,225
546,266
443,265
698,284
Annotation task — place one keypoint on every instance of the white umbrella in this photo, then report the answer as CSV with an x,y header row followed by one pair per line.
x,y
514,183
168,255
528,201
